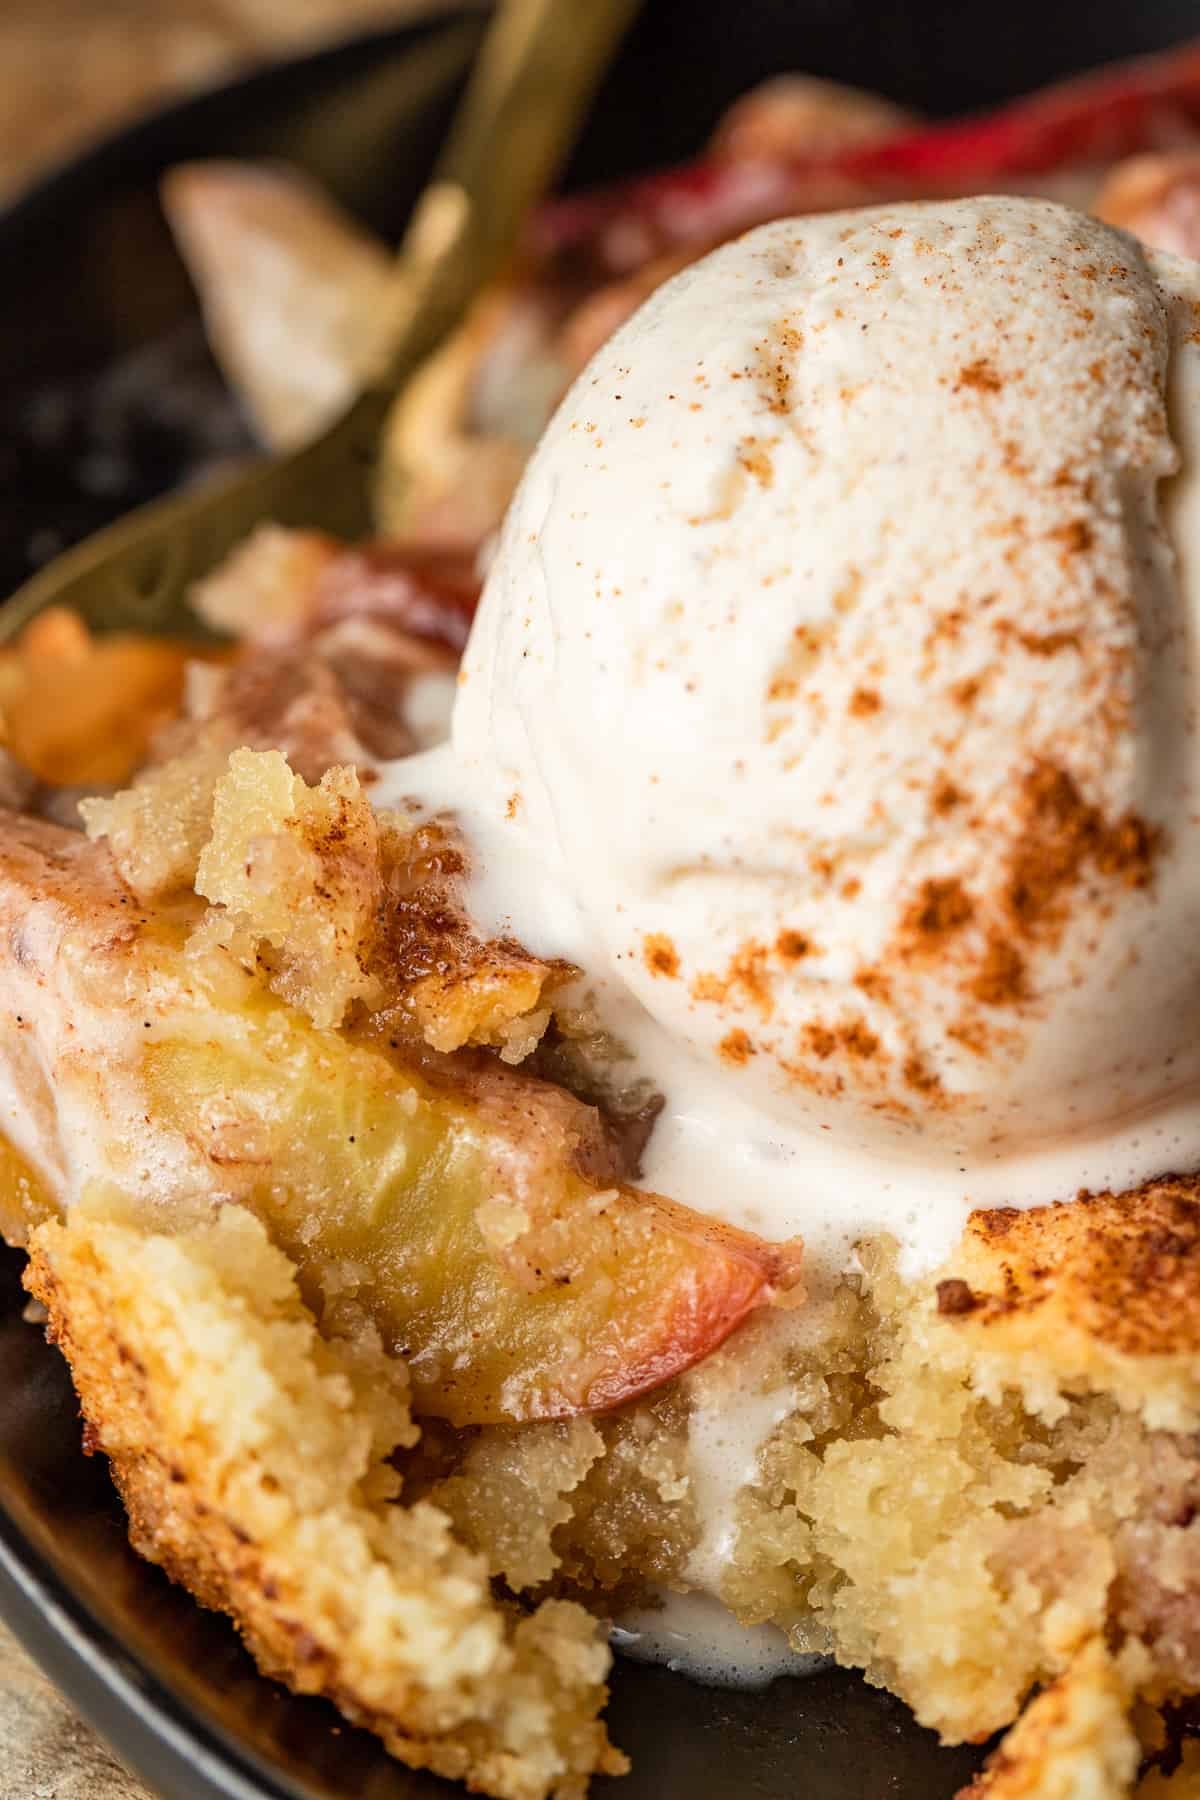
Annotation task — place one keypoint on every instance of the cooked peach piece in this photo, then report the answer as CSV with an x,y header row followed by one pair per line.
x,y
80,709
442,1205
514,1288
1157,197
295,292
802,115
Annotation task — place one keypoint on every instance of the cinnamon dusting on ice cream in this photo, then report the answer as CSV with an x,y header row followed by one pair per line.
x,y
900,748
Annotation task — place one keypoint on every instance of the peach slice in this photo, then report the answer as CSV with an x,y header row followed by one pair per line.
x,y
452,1218
1157,197
443,1206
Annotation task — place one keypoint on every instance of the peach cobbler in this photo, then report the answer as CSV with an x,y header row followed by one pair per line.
x,y
702,1143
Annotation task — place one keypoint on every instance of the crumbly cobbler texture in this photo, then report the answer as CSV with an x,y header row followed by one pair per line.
x,y
253,1456
959,1548
375,1138
962,1534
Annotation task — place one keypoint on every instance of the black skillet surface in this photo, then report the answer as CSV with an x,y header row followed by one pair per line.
x,y
107,396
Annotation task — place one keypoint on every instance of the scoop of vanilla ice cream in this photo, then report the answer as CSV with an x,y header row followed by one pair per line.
x,y
841,644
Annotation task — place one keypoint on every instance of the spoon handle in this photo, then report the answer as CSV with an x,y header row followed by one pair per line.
x,y
525,101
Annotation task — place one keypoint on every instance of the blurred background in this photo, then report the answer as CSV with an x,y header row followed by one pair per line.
x,y
109,393
71,68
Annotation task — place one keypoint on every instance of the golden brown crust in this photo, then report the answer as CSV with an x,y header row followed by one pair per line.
x,y
338,907
1123,1267
1074,1740
279,1508
1102,1293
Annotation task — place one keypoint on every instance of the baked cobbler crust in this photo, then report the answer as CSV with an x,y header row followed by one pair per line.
x,y
252,1456
1101,1293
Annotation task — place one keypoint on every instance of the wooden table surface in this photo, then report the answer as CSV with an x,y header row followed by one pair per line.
x,y
46,1752
69,70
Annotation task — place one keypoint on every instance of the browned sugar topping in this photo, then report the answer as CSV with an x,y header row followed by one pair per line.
x,y
1121,1268
955,1297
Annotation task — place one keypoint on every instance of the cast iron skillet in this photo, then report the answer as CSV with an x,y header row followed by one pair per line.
x,y
107,396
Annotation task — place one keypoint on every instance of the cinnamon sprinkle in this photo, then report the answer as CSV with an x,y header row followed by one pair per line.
x,y
754,455
855,1038
864,702
946,797
1048,643
940,910
921,1078
1001,979
874,984
1057,838
981,376
1059,834
1075,537
745,979
660,955
859,1040
736,1047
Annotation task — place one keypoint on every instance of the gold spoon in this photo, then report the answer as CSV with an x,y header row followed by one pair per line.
x,y
539,63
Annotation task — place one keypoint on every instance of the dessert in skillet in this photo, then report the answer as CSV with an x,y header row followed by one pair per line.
x,y
713,1145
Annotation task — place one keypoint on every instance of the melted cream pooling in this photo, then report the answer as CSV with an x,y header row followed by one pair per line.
x,y
711,1147
696,1636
